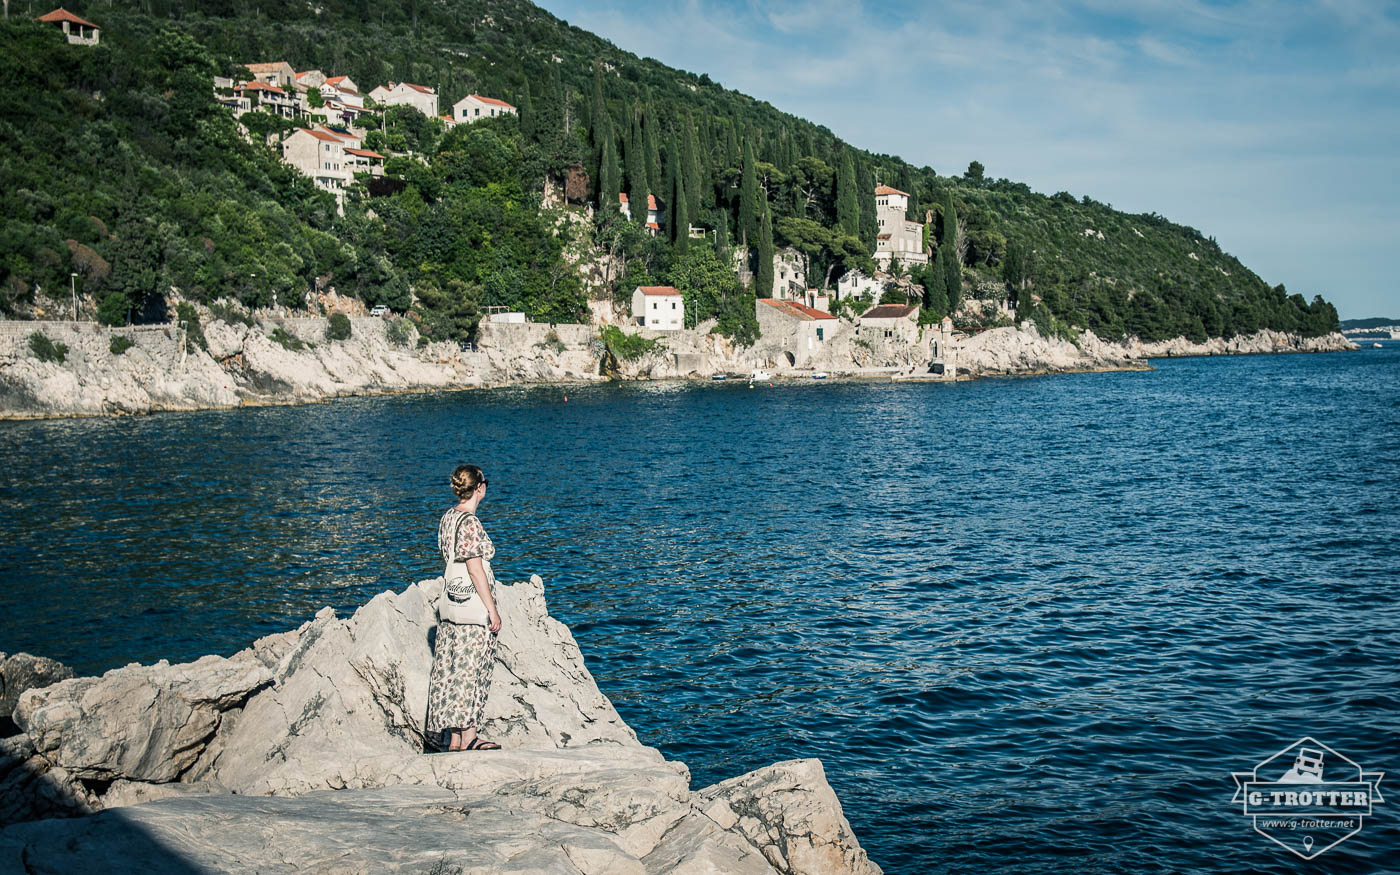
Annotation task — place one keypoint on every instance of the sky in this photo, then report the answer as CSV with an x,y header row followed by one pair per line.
x,y
1272,126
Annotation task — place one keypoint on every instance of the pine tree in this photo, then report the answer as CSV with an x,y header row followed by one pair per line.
x,y
847,204
764,287
637,172
748,198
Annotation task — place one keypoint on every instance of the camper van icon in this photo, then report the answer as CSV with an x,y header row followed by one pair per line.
x,y
1319,801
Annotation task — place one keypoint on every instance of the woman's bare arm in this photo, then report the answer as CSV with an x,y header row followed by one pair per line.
x,y
477,571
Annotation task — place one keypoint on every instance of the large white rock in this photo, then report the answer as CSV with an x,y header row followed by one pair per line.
x,y
338,705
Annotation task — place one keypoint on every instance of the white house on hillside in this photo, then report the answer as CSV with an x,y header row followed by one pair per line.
x,y
660,308
420,97
897,238
474,106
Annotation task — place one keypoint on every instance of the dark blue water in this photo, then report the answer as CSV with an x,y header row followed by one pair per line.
x,y
1029,625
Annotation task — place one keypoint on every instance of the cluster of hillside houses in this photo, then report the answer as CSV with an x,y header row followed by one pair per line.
x,y
329,148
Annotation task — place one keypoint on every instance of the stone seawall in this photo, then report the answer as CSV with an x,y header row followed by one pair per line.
x,y
305,752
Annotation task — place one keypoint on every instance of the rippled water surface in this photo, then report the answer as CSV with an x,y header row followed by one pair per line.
x,y
1028,624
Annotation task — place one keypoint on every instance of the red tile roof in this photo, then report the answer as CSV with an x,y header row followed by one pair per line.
x,y
660,290
654,226
885,189
889,311
61,14
491,100
651,200
332,80
796,310
422,89
269,67
259,85
364,152
323,136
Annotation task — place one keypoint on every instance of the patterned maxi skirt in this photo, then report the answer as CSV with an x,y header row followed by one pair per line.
x,y
461,677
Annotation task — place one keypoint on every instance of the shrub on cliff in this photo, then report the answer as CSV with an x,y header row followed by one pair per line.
x,y
627,346
120,344
338,327
400,332
46,350
188,318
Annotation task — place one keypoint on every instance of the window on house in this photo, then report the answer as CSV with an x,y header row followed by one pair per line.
x,y
478,111
889,333
655,305
673,305
820,335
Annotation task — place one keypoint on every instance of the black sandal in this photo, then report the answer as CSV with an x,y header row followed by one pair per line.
x,y
480,743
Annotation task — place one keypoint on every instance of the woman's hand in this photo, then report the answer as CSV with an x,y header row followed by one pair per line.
x,y
494,619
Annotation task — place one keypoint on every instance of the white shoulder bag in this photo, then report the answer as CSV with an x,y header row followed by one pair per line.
x,y
471,611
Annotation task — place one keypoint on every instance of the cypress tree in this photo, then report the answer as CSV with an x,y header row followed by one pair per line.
x,y
865,195
690,162
847,205
764,287
722,235
598,116
528,121
680,216
952,264
672,170
609,185
731,146
637,172
651,144
748,198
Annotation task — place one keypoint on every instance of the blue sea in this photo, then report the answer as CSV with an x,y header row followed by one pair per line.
x,y
1028,625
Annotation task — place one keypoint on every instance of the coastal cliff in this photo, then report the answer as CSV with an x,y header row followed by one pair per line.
x,y
304,752
278,360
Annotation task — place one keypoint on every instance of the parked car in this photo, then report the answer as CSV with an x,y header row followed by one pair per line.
x,y
379,310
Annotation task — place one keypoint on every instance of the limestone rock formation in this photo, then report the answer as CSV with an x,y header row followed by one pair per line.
x,y
305,753
20,672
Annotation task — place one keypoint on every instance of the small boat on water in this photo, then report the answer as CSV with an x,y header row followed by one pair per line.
x,y
820,375
759,376
718,377
1375,346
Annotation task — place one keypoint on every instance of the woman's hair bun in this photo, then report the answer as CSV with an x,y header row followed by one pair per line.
x,y
465,479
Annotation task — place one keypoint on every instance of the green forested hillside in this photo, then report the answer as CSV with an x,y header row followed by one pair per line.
x,y
124,160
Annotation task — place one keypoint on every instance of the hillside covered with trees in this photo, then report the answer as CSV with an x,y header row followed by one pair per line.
x,y
121,167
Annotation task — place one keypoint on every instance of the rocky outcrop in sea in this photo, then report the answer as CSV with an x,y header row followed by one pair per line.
x,y
305,753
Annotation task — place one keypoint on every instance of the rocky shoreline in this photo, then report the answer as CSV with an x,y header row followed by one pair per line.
x,y
276,360
304,753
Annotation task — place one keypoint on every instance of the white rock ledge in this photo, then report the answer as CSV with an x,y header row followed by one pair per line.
x,y
305,753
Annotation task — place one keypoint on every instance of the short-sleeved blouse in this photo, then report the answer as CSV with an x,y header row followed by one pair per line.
x,y
472,540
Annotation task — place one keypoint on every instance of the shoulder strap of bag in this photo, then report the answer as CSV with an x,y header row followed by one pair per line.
x,y
456,525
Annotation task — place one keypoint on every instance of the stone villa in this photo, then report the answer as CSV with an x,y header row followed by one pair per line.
x,y
898,238
79,31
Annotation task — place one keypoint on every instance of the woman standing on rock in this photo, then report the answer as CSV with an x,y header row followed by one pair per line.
x,y
466,651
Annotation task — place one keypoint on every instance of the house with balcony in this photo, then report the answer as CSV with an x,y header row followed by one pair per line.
x,y
278,73
268,98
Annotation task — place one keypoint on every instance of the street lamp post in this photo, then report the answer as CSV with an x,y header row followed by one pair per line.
x,y
73,287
